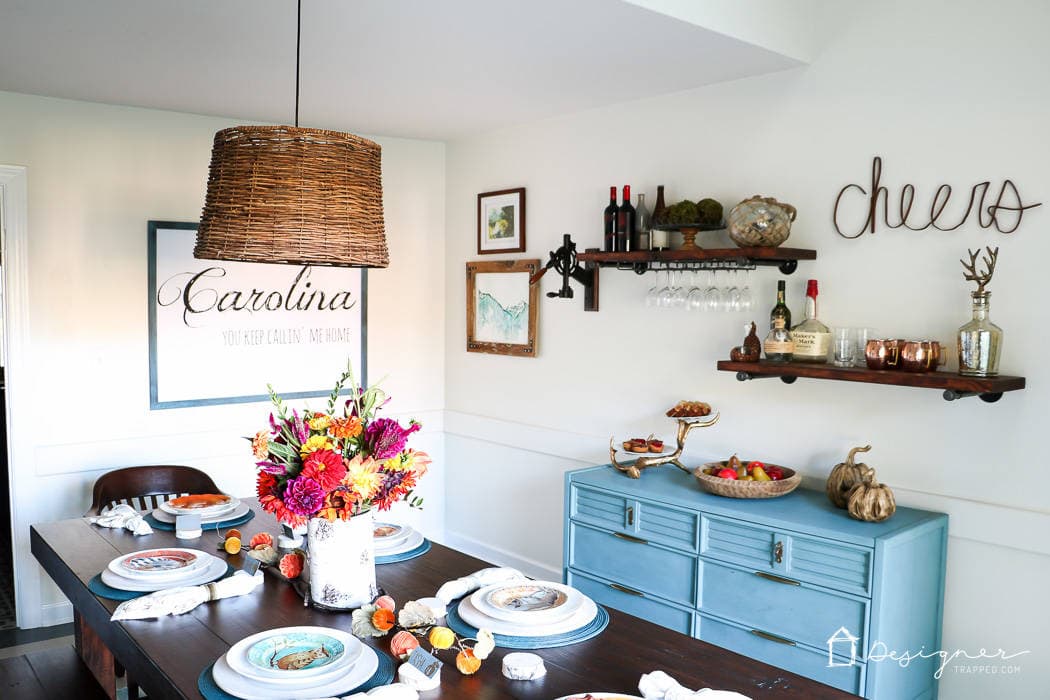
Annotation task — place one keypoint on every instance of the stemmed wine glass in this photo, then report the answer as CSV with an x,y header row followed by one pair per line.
x,y
747,302
732,294
680,293
695,300
667,292
712,296
652,296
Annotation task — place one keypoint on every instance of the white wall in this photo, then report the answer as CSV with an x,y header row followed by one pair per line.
x,y
96,175
945,92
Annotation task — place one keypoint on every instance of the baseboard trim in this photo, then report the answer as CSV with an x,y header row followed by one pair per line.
x,y
501,557
56,614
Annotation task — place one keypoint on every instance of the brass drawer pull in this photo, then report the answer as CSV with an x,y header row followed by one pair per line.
x,y
630,538
625,589
777,579
630,515
778,552
773,638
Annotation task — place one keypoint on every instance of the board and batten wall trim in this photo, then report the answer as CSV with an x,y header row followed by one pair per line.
x,y
988,523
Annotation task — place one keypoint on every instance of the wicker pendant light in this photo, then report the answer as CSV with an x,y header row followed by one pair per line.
x,y
284,194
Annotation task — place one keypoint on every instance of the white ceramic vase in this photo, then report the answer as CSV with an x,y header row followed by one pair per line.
x,y
341,559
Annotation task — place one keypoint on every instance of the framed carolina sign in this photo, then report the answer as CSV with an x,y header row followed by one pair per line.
x,y
220,331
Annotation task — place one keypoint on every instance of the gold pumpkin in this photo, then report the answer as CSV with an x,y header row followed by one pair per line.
x,y
871,501
844,477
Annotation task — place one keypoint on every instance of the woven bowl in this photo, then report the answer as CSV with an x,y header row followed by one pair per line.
x,y
731,488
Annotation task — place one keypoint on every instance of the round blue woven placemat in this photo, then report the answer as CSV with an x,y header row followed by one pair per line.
x,y
213,527
410,554
100,589
383,676
580,634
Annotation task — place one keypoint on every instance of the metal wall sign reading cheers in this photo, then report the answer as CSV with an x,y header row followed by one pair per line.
x,y
220,331
1004,213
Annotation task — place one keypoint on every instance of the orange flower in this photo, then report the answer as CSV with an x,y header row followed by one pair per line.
x,y
261,445
291,565
345,428
338,504
416,462
383,619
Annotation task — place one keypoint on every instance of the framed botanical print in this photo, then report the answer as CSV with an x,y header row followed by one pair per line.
x,y
501,221
502,307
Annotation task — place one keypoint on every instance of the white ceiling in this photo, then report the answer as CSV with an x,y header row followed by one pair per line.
x,y
437,69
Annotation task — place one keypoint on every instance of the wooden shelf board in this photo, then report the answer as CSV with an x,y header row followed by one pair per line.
x,y
926,380
643,256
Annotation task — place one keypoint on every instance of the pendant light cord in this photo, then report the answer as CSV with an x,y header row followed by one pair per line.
x,y
298,42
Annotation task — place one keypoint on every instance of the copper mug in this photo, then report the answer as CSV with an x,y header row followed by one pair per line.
x,y
921,356
883,354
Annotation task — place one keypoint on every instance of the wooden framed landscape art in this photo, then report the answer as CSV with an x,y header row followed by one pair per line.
x,y
501,221
220,331
502,307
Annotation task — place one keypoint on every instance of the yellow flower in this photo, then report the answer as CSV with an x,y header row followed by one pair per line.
x,y
394,464
416,462
319,422
315,443
441,637
362,476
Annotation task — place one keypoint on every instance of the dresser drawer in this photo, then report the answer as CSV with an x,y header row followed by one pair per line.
x,y
670,526
601,508
800,613
633,562
811,663
827,563
633,603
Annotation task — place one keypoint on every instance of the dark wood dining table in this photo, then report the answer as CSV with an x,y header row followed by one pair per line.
x,y
165,656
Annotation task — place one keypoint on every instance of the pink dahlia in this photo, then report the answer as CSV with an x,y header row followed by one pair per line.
x,y
303,496
386,439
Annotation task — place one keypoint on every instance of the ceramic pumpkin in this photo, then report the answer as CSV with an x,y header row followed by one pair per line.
x,y
871,501
844,477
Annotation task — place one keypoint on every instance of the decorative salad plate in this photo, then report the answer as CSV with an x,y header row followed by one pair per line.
x,y
211,569
151,562
204,505
529,603
235,510
581,617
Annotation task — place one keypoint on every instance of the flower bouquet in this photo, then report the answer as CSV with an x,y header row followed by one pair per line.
x,y
326,470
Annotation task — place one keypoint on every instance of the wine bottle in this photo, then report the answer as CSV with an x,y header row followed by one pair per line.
x,y
641,226
778,344
625,222
812,338
610,222
659,239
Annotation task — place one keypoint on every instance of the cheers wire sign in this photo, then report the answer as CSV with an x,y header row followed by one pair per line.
x,y
1004,213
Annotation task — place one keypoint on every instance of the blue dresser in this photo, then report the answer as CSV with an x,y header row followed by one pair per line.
x,y
791,581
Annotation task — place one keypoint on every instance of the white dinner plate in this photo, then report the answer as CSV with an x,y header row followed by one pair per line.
x,y
528,602
473,617
205,511
601,696
240,509
389,532
136,566
237,657
215,568
250,689
413,541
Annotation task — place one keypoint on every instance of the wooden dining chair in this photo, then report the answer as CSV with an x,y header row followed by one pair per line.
x,y
145,488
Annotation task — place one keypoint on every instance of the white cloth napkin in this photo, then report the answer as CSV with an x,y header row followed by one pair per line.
x,y
124,516
660,686
176,601
479,579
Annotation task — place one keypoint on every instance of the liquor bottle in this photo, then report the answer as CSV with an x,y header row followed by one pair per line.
x,y
610,222
625,222
812,338
659,239
778,344
642,224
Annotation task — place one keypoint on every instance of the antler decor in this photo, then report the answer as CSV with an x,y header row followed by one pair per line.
x,y
971,273
685,425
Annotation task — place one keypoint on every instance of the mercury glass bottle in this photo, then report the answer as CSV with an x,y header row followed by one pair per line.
x,y
980,341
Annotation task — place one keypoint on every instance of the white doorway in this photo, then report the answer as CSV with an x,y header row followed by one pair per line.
x,y
14,239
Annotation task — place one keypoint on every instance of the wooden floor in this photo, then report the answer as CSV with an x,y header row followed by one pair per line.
x,y
47,675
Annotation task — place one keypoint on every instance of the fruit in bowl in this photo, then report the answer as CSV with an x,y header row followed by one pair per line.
x,y
734,468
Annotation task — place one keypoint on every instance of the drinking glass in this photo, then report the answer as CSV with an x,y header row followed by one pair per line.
x,y
695,300
845,346
747,302
732,294
680,293
664,300
712,295
862,336
653,294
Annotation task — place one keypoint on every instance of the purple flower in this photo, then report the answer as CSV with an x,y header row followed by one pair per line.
x,y
303,496
272,468
386,439
298,427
